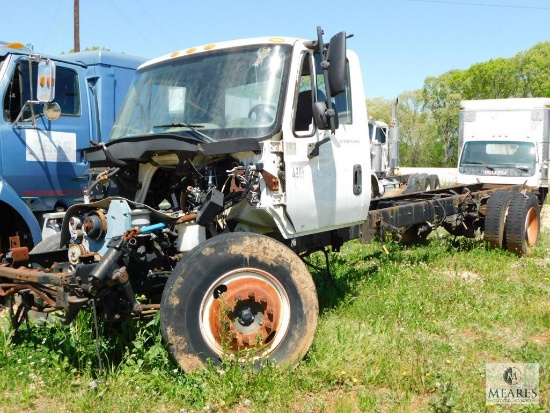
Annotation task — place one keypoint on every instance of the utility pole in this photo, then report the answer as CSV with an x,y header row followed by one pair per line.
x,y
76,26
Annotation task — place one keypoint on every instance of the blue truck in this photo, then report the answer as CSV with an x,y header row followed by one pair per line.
x,y
53,107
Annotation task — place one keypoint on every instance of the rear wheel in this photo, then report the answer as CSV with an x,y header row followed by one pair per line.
x,y
495,218
413,184
415,234
522,226
434,182
241,295
424,182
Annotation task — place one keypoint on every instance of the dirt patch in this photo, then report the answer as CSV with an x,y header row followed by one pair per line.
x,y
420,403
466,276
470,334
543,262
332,401
542,338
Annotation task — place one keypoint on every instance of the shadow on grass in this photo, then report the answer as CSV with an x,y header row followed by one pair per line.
x,y
337,276
373,265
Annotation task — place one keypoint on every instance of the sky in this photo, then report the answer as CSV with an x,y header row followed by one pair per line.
x,y
399,42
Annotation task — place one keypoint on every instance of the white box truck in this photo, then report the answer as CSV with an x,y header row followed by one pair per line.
x,y
505,141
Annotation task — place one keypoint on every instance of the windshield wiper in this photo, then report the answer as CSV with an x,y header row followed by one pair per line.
x,y
520,167
489,167
193,128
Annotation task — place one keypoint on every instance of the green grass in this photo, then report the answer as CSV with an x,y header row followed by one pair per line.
x,y
407,330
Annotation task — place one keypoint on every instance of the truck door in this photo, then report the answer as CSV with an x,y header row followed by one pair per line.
x,y
328,190
44,163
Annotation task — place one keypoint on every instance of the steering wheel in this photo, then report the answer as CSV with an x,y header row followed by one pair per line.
x,y
260,112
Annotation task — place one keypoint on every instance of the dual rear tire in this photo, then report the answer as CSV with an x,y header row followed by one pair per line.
x,y
422,182
512,221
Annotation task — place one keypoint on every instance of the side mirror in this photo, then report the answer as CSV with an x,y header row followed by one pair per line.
x,y
52,110
45,88
336,56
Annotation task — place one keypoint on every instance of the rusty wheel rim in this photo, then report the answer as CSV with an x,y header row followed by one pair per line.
x,y
245,311
531,227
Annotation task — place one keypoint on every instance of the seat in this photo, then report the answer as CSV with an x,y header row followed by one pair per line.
x,y
304,111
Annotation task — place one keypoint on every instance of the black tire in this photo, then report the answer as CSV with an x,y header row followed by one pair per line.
x,y
415,235
413,184
434,181
239,294
423,182
47,252
495,219
48,244
522,226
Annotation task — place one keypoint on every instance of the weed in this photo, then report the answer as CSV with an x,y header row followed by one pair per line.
x,y
406,329
443,401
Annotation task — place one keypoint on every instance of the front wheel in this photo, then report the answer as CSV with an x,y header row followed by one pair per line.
x,y
241,295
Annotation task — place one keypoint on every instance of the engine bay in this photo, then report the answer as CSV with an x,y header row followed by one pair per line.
x,y
149,203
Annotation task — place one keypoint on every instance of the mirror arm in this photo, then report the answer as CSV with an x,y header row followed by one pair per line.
x,y
325,65
31,58
313,148
28,103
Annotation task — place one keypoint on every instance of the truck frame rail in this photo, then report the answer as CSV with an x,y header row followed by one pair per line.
x,y
464,204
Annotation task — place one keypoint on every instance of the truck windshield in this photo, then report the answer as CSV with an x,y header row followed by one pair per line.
x,y
490,154
209,96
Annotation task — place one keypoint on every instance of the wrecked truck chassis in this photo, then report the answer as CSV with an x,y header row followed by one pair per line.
x,y
459,209
452,206
240,292
56,290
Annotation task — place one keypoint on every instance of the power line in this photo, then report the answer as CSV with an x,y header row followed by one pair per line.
x,y
159,27
463,3
52,21
135,27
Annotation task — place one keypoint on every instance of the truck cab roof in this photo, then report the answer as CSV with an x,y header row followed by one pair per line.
x,y
86,58
225,45
505,104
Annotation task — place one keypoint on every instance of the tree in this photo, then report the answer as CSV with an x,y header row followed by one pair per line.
x,y
533,71
89,49
495,79
379,108
429,117
441,96
417,137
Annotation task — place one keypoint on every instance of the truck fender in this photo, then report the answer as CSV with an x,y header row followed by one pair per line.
x,y
13,200
377,190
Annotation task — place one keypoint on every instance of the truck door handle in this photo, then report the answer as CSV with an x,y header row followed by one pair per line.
x,y
357,180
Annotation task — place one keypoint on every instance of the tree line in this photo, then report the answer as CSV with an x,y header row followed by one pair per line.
x,y
428,117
